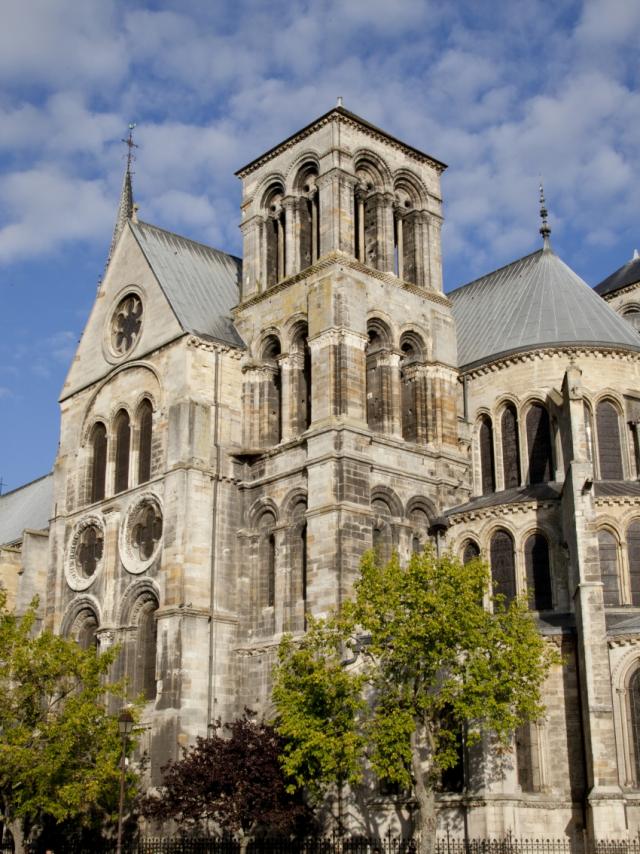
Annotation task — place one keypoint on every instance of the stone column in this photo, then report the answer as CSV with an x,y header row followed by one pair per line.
x,y
421,237
252,254
384,203
336,189
435,253
291,234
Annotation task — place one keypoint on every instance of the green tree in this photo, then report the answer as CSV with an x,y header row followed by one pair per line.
x,y
59,749
434,660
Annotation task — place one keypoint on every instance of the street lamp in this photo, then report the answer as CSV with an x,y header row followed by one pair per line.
x,y
125,727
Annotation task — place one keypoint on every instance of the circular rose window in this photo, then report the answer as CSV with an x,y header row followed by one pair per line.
x,y
85,554
141,534
126,323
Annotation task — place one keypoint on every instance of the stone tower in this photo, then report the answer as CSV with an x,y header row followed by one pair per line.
x,y
350,430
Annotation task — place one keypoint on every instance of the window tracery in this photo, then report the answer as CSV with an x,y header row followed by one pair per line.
x,y
126,323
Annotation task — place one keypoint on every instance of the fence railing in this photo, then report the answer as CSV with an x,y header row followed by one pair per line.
x,y
354,845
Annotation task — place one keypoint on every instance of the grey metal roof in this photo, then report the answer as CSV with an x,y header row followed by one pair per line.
x,y
517,495
537,301
29,506
201,284
606,488
628,274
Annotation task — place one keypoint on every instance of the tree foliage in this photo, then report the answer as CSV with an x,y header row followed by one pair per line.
x,y
434,660
59,749
232,779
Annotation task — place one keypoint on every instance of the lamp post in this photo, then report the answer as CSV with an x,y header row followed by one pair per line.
x,y
125,727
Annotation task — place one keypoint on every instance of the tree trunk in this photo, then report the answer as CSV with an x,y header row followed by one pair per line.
x,y
426,818
15,828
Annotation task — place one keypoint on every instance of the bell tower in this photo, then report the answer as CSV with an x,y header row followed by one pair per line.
x,y
350,426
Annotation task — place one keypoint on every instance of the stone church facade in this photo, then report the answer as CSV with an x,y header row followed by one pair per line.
x,y
235,434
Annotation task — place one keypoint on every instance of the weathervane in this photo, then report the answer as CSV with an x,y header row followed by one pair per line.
x,y
130,145
545,230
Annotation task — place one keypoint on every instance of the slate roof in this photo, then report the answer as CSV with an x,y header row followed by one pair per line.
x,y
628,274
518,495
29,506
606,488
201,284
534,302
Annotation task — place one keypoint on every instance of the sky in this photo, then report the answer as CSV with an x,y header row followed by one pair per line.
x,y
501,91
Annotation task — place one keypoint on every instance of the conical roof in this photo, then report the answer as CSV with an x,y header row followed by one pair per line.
x,y
535,302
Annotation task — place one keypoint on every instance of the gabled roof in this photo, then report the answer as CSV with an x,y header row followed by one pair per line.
x,y
628,274
341,114
201,284
537,301
29,506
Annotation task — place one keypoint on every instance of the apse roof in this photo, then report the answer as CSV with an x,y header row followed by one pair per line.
x,y
202,284
628,274
29,506
534,302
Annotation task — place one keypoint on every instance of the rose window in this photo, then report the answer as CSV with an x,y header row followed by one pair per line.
x,y
126,323
147,532
89,550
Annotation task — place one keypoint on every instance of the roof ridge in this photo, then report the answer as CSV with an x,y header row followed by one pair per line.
x,y
187,239
500,269
25,485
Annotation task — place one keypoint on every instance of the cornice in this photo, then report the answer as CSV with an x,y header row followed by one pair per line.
x,y
499,511
351,263
598,350
350,120
617,501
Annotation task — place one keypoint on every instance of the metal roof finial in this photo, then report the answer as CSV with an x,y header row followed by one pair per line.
x,y
126,207
339,104
545,230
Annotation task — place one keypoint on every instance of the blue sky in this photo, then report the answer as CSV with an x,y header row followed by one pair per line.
x,y
501,91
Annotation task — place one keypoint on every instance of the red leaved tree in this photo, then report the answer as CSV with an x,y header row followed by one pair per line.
x,y
233,780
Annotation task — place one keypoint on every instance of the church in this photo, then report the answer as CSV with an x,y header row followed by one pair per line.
x,y
235,433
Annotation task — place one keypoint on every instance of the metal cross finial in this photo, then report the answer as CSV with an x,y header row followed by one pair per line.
x,y
545,230
130,145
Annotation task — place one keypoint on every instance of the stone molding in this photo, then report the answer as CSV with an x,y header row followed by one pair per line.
x,y
499,511
582,350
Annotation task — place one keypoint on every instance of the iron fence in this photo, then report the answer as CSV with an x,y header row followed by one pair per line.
x,y
354,845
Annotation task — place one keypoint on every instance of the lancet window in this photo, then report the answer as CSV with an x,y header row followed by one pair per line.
x,y
609,446
487,466
309,216
272,392
275,232
366,215
609,568
539,444
503,570
470,551
413,389
536,554
510,447
633,546
634,720
123,450
382,534
145,435
145,650
98,462
404,237
301,381
378,388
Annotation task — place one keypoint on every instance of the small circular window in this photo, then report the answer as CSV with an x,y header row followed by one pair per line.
x,y
126,323
85,554
141,534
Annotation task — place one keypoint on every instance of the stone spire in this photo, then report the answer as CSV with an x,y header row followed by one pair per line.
x,y
126,208
545,229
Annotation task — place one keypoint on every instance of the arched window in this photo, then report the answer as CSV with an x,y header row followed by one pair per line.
x,y
267,560
98,462
536,555
412,389
634,719
588,431
609,448
487,469
510,447
420,524
632,316
146,643
378,379
271,570
303,554
470,551
633,545
539,442
301,373
275,236
382,538
145,427
366,214
272,391
85,629
608,554
503,571
309,215
123,448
